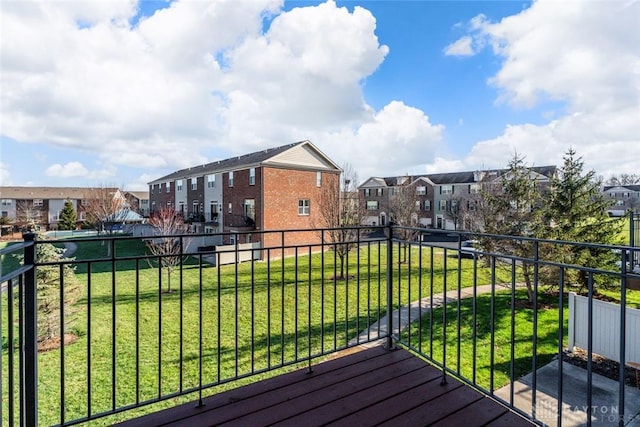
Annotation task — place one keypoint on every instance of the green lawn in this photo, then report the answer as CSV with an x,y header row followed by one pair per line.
x,y
474,354
255,316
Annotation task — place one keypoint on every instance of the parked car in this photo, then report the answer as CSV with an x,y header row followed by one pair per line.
x,y
469,249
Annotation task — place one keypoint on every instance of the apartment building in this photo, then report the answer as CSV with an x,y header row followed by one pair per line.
x,y
624,198
272,189
42,205
445,200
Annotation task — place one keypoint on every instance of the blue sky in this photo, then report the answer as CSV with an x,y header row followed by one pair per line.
x,y
122,92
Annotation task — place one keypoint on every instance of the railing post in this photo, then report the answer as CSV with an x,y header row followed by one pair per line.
x,y
389,233
30,345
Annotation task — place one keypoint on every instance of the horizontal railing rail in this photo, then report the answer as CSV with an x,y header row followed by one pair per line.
x,y
115,328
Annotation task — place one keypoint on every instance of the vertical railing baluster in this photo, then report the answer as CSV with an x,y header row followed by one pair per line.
x,y
322,250
200,330
310,268
112,251
389,232
253,313
10,352
62,346
512,333
181,314
137,314
560,345
623,329
160,260
268,307
474,316
444,318
296,304
89,376
458,305
589,348
235,303
492,325
282,292
431,278
30,388
534,361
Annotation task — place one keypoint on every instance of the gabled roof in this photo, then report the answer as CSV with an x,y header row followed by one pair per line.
x,y
451,178
299,155
621,187
49,193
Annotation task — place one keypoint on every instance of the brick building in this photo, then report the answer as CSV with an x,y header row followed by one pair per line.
x,y
249,197
443,200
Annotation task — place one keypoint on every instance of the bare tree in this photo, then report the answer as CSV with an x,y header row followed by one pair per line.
x,y
27,212
103,207
624,179
168,245
341,213
403,205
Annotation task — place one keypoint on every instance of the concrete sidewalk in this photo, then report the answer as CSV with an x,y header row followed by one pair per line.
x,y
605,405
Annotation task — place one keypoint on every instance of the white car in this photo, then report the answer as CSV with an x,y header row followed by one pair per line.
x,y
468,249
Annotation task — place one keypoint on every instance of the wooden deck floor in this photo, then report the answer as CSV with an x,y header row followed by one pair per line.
x,y
365,388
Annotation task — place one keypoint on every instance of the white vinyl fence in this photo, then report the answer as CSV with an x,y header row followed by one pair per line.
x,y
606,328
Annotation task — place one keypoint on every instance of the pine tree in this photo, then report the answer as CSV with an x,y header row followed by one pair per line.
x,y
514,201
67,217
576,211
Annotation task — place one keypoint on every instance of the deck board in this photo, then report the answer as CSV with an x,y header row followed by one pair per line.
x,y
368,387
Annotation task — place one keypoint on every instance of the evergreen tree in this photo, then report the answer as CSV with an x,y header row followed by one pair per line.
x,y
67,217
48,280
514,201
576,211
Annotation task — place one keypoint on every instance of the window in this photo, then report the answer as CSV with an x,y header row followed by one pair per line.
x,y
194,183
252,176
446,189
378,191
211,181
427,205
168,187
169,205
6,202
367,192
443,205
230,179
421,191
196,207
619,202
372,205
230,208
5,214
418,205
38,202
85,202
250,208
474,188
179,185
181,207
304,207
318,179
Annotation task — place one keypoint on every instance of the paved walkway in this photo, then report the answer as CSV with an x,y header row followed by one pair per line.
x,y
411,312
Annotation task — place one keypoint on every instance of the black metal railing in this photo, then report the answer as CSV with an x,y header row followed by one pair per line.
x,y
141,329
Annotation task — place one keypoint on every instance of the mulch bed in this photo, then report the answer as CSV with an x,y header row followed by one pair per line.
x,y
601,365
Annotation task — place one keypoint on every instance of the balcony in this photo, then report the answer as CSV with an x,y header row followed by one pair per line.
x,y
239,222
401,332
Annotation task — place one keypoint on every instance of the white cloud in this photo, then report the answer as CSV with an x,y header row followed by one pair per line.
x,y
78,170
461,47
5,174
69,170
201,75
398,139
580,54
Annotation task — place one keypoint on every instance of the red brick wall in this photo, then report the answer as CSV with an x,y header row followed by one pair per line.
x,y
282,188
